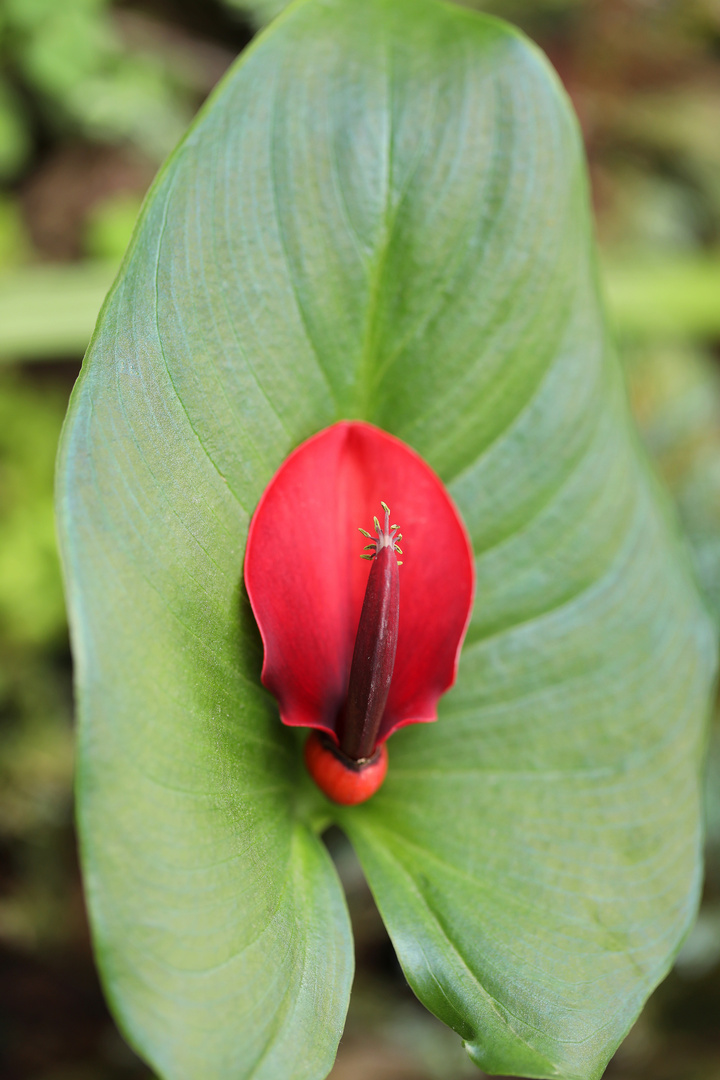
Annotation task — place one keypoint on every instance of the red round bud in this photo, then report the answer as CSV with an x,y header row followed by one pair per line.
x,y
344,781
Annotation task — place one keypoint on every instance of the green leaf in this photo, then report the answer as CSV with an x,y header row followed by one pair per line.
x,y
381,213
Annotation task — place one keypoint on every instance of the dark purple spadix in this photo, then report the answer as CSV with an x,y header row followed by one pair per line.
x,y
373,659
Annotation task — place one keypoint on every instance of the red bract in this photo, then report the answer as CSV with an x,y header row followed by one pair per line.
x,y
306,582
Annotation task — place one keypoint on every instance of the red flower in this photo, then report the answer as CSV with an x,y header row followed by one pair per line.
x,y
357,679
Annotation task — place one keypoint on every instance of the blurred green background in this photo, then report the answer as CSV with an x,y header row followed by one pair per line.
x,y
93,94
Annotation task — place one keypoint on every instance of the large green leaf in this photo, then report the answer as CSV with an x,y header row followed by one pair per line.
x,y
382,213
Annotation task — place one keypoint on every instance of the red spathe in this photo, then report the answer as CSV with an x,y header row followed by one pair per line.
x,y
306,580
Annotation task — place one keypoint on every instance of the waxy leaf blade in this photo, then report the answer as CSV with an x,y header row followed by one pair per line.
x,y
382,214
219,924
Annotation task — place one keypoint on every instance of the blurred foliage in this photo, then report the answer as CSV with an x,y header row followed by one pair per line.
x,y
661,296
14,134
31,601
14,242
675,394
259,11
49,311
71,56
109,226
92,95
38,903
